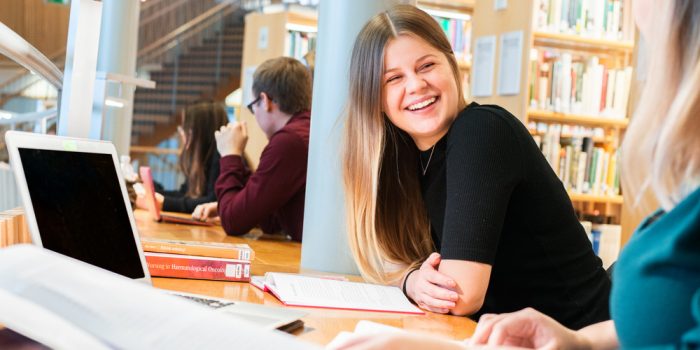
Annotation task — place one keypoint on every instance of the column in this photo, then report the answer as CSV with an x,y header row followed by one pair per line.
x,y
325,246
117,54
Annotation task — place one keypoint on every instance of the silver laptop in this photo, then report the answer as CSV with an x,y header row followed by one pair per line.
x,y
77,205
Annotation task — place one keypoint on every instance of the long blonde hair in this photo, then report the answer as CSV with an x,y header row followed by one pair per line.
x,y
387,221
661,151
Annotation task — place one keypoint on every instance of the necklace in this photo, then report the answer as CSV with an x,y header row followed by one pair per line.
x,y
425,168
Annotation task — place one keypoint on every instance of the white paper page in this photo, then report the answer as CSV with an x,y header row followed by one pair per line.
x,y
29,319
362,328
124,313
510,61
482,66
311,291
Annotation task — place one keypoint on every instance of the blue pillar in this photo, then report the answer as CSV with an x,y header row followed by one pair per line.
x,y
325,246
117,54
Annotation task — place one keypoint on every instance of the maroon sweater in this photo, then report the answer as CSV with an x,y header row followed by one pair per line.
x,y
273,196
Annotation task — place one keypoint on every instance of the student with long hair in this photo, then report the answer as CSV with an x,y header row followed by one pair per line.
x,y
454,202
655,301
199,160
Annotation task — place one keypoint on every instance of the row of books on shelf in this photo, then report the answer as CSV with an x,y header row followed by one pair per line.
x,y
13,228
606,240
537,129
582,167
459,33
591,18
297,44
565,84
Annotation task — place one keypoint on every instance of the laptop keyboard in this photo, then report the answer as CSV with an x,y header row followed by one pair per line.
x,y
212,303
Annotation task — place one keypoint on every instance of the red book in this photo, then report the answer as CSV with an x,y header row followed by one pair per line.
x,y
604,93
197,267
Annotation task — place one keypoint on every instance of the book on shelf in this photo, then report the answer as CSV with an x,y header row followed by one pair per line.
x,y
606,240
63,303
13,228
197,267
298,43
239,251
580,165
309,291
578,85
459,33
589,18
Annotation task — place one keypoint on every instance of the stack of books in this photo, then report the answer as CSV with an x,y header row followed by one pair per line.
x,y
198,260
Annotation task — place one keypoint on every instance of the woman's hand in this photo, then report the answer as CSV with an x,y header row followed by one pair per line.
x,y
142,202
526,328
430,289
206,211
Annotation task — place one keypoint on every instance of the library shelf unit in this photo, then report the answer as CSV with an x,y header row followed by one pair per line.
x,y
581,43
581,197
455,17
550,43
578,119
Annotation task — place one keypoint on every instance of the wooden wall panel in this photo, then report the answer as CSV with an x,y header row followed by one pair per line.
x,y
487,21
43,25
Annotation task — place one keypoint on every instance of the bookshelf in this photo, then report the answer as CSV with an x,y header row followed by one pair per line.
x,y
455,18
290,33
575,83
578,119
580,43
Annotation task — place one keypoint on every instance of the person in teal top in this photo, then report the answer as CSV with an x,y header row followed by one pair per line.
x,y
655,298
656,293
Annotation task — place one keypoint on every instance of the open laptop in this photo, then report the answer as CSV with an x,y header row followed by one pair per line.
x,y
153,208
77,205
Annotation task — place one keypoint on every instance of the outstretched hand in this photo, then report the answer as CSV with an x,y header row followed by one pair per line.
x,y
206,211
527,328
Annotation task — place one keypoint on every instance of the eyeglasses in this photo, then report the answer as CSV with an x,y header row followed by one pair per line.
x,y
250,105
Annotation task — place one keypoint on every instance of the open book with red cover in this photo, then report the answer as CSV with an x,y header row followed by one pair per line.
x,y
308,291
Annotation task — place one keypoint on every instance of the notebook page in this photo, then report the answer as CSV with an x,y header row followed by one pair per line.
x,y
29,319
124,313
313,291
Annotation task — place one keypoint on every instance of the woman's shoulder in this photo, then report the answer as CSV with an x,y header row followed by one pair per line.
x,y
484,120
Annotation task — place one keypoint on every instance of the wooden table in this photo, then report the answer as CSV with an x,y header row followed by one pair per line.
x,y
321,325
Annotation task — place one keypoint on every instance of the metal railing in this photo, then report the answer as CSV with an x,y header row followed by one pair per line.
x,y
163,161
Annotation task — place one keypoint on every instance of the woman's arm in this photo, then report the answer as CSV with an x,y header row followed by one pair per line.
x,y
454,286
472,280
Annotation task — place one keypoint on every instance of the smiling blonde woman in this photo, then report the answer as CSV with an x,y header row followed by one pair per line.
x,y
454,202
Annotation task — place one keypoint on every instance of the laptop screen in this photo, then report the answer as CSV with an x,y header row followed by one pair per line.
x,y
80,209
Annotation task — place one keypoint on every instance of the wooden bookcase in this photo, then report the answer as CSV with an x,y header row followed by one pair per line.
x,y
455,17
267,35
614,54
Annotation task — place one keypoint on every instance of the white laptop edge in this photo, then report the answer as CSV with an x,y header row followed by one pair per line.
x,y
16,140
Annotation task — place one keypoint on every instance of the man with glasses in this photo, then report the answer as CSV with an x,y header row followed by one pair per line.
x,y
273,196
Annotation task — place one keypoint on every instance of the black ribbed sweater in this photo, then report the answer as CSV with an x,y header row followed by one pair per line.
x,y
491,197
